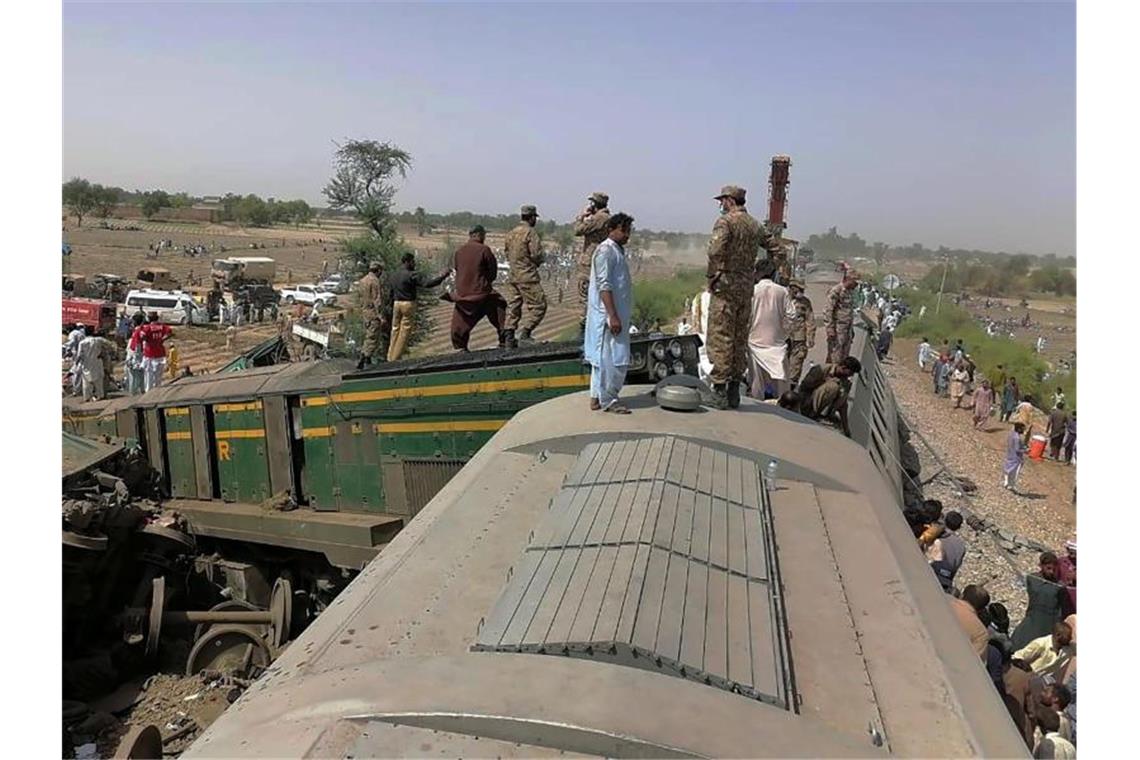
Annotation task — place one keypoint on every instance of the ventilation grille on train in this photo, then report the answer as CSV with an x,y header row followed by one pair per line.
x,y
657,553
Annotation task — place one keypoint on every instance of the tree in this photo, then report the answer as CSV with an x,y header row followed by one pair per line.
x,y
420,217
300,212
106,198
362,182
153,201
879,251
181,200
253,211
78,198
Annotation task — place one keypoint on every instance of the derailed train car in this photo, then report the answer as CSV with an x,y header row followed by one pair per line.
x,y
317,459
639,587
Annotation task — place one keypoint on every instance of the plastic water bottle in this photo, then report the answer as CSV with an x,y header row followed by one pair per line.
x,y
770,473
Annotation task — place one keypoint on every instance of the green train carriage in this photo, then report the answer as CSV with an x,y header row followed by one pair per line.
x,y
317,457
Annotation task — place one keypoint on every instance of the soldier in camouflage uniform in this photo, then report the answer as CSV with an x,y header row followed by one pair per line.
x,y
375,312
801,330
590,225
524,253
839,318
736,239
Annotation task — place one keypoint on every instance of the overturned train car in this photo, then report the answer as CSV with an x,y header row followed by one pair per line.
x,y
316,458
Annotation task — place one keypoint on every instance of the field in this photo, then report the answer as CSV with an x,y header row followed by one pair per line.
x,y
300,255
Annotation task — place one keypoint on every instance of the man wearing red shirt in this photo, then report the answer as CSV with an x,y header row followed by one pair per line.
x,y
152,335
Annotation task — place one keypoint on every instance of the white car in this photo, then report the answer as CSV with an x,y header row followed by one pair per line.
x,y
335,283
172,306
308,294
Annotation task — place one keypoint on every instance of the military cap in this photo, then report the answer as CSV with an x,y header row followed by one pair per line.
x,y
731,191
528,210
600,198
796,282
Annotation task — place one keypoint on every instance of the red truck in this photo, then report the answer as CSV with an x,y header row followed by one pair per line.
x,y
98,315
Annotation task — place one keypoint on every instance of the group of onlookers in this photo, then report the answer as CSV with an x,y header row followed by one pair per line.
x,y
1034,667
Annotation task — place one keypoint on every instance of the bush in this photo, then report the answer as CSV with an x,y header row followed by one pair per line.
x,y
665,300
362,250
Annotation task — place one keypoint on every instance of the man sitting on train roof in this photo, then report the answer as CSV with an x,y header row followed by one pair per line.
x,y
824,389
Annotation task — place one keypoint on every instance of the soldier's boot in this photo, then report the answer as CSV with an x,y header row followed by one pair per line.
x,y
364,362
509,339
502,338
719,398
524,336
732,394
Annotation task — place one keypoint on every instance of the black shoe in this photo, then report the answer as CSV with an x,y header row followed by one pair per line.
x,y
733,395
719,398
364,362
509,339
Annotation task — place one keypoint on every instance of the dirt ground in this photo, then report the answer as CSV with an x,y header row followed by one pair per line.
x,y
1044,509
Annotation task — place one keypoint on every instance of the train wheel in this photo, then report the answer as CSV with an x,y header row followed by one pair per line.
x,y
230,605
228,648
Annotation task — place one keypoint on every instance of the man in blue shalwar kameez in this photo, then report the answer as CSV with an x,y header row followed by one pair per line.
x,y
609,311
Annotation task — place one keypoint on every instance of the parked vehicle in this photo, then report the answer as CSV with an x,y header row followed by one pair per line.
x,y
98,315
335,283
173,307
157,278
238,270
317,343
307,294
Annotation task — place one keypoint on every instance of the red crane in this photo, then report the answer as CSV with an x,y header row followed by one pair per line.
x,y
778,193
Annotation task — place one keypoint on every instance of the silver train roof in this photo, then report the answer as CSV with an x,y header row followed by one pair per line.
x,y
626,586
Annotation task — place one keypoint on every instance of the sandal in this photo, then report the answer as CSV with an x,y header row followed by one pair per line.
x,y
618,409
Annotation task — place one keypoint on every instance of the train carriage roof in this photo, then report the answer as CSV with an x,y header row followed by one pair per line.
x,y
628,586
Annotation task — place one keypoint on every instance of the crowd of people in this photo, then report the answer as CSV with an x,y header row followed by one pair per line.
x,y
1033,667
955,375
149,356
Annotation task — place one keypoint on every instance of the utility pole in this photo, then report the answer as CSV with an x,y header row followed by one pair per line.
x,y
945,266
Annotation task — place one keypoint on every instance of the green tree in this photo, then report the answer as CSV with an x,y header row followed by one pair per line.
x,y
106,198
181,200
78,198
879,251
420,217
153,201
300,212
253,211
362,182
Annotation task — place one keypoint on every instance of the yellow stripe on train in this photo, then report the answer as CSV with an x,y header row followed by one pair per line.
x,y
454,389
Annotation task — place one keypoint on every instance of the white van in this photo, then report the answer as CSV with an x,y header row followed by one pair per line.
x,y
172,306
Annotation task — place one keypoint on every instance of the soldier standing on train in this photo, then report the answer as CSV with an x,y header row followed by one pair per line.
x,y
801,330
591,226
524,254
736,238
372,300
839,318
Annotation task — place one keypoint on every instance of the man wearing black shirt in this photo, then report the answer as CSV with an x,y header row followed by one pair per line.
x,y
406,282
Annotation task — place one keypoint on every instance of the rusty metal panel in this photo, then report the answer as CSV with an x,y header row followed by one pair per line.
x,y
127,423
203,446
392,474
671,572
278,443
424,478
155,443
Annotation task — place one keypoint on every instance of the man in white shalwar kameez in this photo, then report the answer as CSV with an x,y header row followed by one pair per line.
x,y
609,311
700,317
90,359
767,336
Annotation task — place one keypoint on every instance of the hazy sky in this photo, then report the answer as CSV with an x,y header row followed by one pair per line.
x,y
936,123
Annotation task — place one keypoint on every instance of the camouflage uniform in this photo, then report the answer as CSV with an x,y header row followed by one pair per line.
x,y
524,253
839,320
736,238
593,229
801,333
375,313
